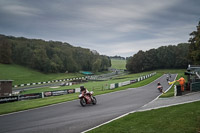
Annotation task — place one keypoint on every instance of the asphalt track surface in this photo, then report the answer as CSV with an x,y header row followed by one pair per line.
x,y
70,117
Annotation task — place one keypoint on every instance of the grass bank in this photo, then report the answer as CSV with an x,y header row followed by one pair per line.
x,y
22,75
176,119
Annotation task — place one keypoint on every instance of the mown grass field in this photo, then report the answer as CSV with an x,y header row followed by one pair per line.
x,y
176,119
118,64
22,75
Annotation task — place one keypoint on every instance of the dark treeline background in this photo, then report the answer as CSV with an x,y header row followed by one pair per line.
x,y
117,57
50,56
161,58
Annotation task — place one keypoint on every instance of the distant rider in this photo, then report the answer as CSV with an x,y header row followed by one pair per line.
x,y
168,80
159,87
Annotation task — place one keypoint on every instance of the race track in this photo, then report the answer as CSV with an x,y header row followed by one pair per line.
x,y
70,117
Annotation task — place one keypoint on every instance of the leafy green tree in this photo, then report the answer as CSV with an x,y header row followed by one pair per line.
x,y
50,56
194,48
96,66
5,51
161,58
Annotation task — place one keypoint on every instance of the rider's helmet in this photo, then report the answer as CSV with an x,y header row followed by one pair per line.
x,y
158,83
82,87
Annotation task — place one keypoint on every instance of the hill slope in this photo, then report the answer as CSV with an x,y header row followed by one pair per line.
x,y
22,75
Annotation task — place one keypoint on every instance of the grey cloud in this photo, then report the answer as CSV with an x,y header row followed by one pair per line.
x,y
116,27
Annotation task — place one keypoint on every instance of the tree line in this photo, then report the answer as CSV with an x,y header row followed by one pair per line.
x,y
50,56
167,57
164,57
117,57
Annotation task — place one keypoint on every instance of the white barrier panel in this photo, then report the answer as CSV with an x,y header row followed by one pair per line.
x,y
126,83
175,90
120,84
112,86
77,90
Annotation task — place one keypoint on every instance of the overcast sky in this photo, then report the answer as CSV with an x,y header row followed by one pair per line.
x,y
112,27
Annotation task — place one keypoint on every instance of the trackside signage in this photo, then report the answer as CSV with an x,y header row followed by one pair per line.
x,y
36,95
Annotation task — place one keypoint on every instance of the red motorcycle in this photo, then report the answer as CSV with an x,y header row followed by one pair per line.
x,y
87,98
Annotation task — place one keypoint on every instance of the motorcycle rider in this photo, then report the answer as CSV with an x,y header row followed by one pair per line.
x,y
159,87
85,92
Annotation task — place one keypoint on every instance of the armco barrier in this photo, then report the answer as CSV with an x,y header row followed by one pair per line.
x,y
46,82
116,85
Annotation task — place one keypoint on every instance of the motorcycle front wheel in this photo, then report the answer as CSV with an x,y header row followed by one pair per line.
x,y
94,100
82,102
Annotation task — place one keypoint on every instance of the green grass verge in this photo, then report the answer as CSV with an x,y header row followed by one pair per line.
x,y
29,104
176,119
22,75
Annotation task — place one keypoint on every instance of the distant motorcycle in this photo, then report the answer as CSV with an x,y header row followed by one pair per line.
x,y
87,98
160,88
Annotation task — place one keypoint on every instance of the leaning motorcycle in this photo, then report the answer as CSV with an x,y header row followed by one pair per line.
x,y
87,98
